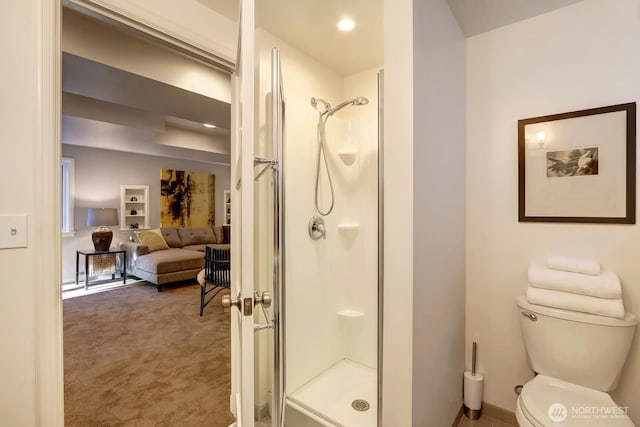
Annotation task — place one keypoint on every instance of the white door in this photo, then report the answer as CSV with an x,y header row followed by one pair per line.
x,y
242,193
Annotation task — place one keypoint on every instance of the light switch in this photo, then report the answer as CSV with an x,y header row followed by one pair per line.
x,y
13,231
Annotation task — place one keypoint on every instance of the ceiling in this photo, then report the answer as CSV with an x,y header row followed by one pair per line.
x,y
109,108
310,25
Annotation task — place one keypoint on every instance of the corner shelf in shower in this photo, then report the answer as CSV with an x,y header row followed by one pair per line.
x,y
348,155
348,229
350,314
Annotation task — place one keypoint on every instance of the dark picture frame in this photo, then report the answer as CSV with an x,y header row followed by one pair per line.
x,y
578,167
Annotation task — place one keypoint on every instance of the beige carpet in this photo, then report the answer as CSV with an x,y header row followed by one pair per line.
x,y
137,357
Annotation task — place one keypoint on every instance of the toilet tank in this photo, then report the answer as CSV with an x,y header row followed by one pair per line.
x,y
580,348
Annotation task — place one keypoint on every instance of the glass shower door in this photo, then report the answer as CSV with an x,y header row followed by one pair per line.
x,y
269,248
317,355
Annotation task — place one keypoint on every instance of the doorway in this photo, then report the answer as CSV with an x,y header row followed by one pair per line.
x,y
123,124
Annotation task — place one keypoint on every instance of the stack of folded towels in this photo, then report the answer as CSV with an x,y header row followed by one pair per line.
x,y
575,284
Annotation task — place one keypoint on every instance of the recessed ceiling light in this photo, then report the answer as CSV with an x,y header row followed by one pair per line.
x,y
210,126
346,24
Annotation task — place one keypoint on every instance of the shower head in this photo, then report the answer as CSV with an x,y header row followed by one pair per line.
x,y
361,100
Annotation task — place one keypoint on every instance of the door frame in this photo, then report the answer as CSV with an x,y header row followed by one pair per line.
x,y
47,238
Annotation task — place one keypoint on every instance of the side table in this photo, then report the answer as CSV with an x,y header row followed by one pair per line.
x,y
88,253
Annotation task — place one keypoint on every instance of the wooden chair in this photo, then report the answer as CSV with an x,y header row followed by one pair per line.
x,y
216,275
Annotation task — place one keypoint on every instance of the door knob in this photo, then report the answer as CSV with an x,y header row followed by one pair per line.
x,y
227,302
244,305
265,299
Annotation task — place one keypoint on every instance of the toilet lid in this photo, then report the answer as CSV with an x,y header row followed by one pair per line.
x,y
551,402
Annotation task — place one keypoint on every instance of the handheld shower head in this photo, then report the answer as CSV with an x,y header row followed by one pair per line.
x,y
361,100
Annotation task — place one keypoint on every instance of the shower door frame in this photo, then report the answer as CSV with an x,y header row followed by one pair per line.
x,y
380,238
278,126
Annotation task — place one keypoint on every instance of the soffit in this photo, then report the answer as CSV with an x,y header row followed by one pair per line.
x,y
479,16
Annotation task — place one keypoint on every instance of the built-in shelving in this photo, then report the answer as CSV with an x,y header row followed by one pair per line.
x,y
350,314
134,207
348,155
227,207
348,229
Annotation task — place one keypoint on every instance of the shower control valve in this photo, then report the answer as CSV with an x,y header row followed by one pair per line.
x,y
316,228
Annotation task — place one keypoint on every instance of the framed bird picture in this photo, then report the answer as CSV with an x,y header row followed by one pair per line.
x,y
578,166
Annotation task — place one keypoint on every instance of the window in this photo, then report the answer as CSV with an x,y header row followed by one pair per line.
x,y
68,196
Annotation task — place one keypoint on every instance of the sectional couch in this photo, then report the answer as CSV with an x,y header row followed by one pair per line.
x,y
183,257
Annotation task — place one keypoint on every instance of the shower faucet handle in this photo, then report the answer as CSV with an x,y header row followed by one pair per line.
x,y
316,228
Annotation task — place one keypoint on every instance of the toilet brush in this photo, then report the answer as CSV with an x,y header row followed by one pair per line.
x,y
473,383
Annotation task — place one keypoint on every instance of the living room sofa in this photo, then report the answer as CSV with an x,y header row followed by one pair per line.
x,y
182,258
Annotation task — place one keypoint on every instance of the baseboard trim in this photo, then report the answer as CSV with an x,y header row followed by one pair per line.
x,y
499,414
458,417
491,411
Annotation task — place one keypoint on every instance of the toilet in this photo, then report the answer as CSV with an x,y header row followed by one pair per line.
x,y
578,358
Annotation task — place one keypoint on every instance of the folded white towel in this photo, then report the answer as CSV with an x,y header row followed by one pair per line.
x,y
606,285
576,265
575,302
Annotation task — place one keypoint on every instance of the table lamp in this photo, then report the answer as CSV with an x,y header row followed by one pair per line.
x,y
102,218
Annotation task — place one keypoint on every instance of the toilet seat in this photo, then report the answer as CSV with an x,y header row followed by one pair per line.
x,y
583,407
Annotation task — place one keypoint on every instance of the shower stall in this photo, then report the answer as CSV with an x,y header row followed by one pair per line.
x,y
318,224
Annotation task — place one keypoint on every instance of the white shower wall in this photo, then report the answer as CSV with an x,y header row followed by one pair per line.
x,y
338,273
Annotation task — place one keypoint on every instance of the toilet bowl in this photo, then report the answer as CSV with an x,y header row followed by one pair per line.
x,y
546,401
578,358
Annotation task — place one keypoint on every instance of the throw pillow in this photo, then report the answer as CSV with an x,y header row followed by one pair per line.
x,y
219,234
152,239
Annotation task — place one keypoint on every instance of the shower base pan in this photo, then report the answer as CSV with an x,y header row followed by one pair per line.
x,y
343,395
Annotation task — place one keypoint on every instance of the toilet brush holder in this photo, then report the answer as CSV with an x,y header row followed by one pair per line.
x,y
473,385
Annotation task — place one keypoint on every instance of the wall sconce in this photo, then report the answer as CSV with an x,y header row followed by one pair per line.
x,y
538,143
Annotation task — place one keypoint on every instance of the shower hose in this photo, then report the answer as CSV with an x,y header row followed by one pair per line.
x,y
322,156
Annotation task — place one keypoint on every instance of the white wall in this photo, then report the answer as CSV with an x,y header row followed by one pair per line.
x,y
582,56
18,140
438,213
98,176
357,203
398,214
